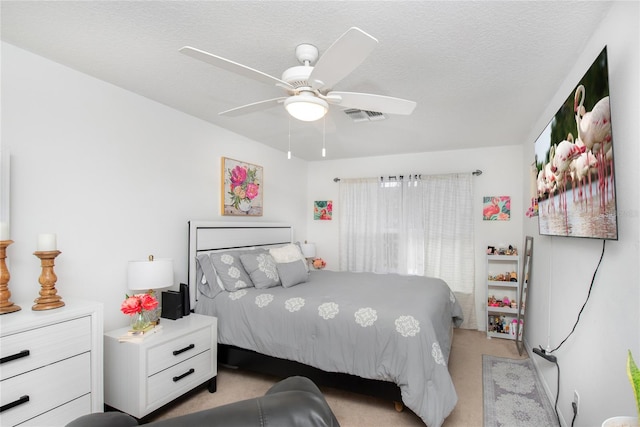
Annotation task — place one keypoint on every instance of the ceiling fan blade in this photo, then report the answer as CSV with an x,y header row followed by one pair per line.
x,y
341,58
371,102
234,67
253,107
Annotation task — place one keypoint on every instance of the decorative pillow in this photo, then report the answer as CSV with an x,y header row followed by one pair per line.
x,y
292,273
207,280
230,270
262,269
288,253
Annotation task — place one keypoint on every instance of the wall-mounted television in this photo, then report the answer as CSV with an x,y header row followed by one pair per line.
x,y
575,164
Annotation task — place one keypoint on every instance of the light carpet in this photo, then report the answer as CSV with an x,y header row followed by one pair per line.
x,y
513,394
355,410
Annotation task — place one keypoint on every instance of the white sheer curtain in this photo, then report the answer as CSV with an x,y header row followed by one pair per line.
x,y
411,225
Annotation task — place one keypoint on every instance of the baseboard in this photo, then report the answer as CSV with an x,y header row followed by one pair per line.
x,y
537,363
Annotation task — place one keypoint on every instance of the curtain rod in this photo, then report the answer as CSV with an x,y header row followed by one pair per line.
x,y
476,172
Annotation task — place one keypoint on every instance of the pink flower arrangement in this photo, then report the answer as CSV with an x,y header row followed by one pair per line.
x,y
244,185
318,263
138,303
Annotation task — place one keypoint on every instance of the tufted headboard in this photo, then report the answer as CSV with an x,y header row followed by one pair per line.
x,y
212,236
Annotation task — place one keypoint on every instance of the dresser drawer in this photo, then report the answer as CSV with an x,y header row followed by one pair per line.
x,y
62,415
47,388
42,346
173,382
168,354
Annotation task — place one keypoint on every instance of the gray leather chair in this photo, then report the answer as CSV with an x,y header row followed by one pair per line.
x,y
292,402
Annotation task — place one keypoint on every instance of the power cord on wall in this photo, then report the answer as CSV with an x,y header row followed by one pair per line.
x,y
549,357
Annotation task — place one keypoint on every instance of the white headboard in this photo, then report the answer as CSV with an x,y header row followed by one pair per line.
x,y
207,236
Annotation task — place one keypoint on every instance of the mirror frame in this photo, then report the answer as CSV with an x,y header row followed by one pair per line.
x,y
525,282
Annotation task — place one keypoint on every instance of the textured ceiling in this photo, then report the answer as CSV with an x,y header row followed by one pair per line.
x,y
480,72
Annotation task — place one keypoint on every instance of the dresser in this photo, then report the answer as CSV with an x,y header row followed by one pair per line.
x,y
51,364
143,376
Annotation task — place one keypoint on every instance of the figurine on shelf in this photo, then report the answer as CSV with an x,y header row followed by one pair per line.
x,y
513,276
506,302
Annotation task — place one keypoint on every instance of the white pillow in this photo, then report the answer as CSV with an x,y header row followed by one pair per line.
x,y
288,253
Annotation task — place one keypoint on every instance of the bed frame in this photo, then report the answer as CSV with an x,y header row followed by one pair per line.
x,y
208,236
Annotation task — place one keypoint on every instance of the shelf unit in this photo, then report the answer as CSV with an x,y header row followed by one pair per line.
x,y
502,265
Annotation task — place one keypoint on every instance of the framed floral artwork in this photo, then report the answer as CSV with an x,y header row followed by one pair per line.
x,y
242,188
496,208
322,210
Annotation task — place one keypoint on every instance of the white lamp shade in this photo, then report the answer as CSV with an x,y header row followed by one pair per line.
x,y
147,274
306,108
308,249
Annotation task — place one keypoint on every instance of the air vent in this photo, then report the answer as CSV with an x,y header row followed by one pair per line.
x,y
364,115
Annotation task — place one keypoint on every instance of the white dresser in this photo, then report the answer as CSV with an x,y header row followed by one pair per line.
x,y
51,364
141,377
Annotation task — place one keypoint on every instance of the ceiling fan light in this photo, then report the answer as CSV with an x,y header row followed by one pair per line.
x,y
306,108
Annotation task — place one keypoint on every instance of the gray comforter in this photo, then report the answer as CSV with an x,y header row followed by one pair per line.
x,y
385,327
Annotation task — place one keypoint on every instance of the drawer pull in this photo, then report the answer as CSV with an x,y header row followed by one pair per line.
x,y
23,353
179,377
182,350
23,399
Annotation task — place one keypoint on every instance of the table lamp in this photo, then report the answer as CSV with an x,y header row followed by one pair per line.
x,y
308,251
148,275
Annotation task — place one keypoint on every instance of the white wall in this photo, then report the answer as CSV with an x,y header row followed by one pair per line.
x,y
593,360
501,177
116,177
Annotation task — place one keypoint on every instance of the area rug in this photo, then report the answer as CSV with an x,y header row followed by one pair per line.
x,y
513,395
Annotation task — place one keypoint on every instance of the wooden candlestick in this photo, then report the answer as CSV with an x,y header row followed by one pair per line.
x,y
48,298
6,306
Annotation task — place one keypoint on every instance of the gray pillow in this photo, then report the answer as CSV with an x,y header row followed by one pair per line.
x,y
262,269
292,273
208,287
230,270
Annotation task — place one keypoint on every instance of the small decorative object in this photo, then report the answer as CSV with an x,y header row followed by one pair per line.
x,y
242,188
322,210
138,306
6,306
47,252
496,208
319,264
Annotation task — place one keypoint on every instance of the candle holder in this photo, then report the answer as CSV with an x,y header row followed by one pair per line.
x,y
6,306
48,293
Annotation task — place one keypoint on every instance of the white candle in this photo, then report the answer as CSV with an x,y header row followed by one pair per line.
x,y
46,242
4,231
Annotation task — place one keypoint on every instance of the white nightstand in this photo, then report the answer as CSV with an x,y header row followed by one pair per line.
x,y
51,364
143,376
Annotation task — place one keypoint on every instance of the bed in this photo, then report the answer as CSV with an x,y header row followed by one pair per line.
x,y
386,335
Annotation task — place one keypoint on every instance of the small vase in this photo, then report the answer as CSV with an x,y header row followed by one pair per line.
x,y
245,205
139,322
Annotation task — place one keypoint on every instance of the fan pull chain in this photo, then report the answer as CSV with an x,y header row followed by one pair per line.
x,y
324,132
289,151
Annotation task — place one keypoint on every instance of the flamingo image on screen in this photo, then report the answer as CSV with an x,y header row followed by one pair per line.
x,y
575,164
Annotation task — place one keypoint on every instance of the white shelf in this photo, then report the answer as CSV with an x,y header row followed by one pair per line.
x,y
496,265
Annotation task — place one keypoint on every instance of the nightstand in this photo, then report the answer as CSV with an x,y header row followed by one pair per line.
x,y
51,364
141,377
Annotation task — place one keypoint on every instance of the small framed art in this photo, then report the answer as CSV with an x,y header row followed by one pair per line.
x,y
242,188
496,208
323,210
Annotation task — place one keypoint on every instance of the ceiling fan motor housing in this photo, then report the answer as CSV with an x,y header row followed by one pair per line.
x,y
298,76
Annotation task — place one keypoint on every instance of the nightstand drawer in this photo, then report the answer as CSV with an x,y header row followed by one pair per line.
x,y
173,382
25,351
46,388
182,348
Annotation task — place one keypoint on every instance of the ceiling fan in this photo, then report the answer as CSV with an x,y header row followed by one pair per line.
x,y
309,87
